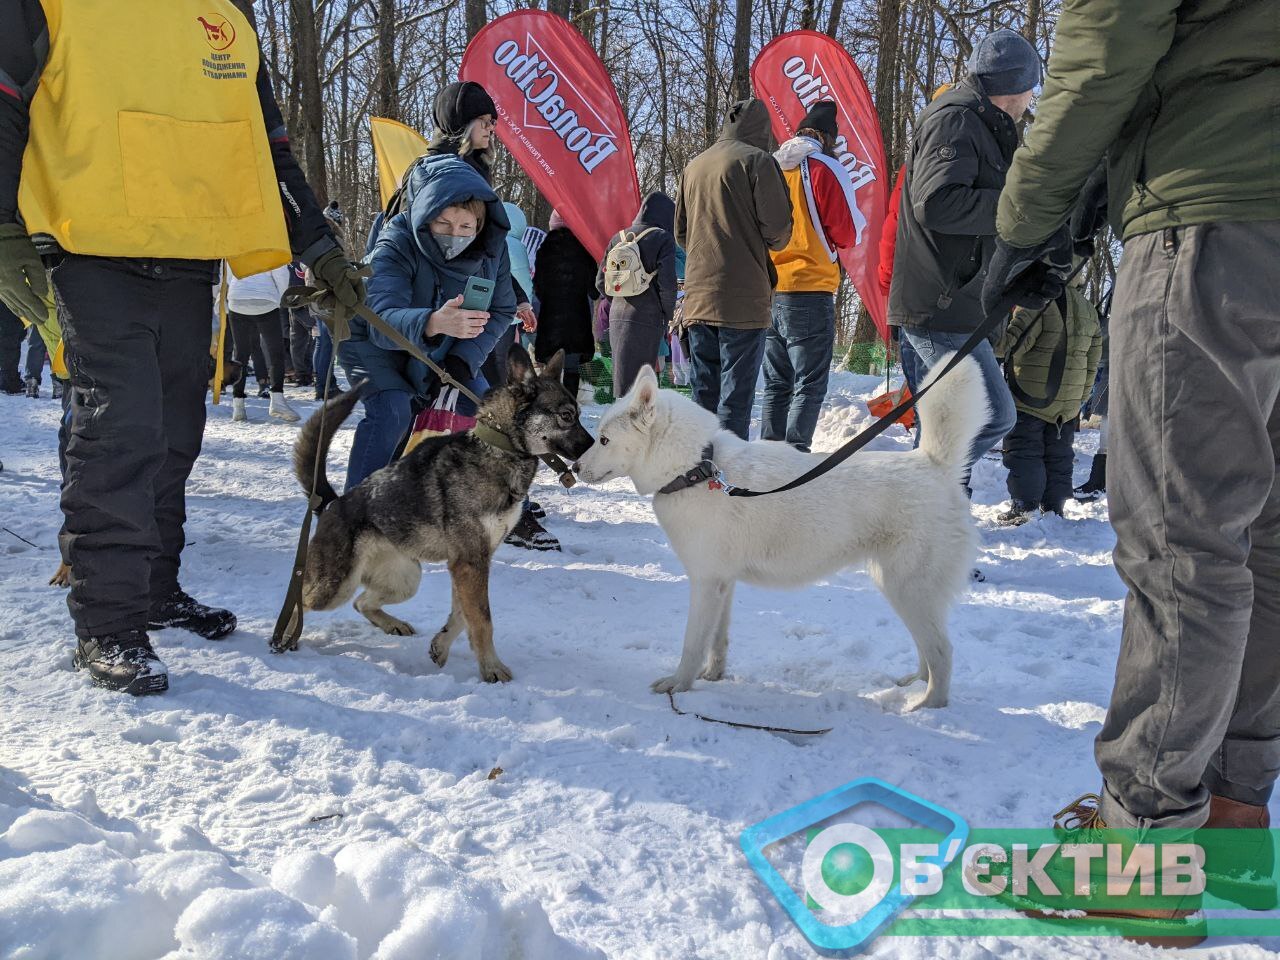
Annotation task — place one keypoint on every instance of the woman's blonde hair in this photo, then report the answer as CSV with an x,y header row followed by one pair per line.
x,y
474,206
468,145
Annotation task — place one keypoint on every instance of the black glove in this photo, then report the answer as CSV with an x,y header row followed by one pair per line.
x,y
23,284
1089,215
457,368
338,275
1027,276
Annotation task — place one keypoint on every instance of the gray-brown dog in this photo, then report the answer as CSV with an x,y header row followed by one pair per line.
x,y
451,500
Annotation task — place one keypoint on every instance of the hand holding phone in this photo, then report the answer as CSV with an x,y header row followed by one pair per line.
x,y
455,320
477,294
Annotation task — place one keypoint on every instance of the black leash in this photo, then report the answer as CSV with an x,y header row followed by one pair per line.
x,y
853,445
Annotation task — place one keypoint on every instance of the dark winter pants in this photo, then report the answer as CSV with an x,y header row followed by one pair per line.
x,y
300,342
137,344
11,333
323,360
247,329
635,345
388,415
797,366
725,365
1192,477
1038,456
37,355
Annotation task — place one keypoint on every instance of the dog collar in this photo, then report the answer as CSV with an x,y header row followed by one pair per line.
x,y
496,438
704,471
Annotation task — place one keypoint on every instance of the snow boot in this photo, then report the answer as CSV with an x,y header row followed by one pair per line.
x,y
1093,488
238,412
281,410
535,510
529,534
33,388
186,613
57,388
123,661
304,380
1019,512
1247,875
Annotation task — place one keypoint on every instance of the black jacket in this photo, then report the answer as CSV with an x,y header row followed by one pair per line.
x,y
959,157
564,282
24,42
658,254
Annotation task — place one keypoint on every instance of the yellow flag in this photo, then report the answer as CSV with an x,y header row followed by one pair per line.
x,y
396,146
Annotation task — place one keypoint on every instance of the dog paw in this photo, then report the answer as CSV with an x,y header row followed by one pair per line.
x,y
713,671
397,628
439,655
495,671
909,679
931,700
670,685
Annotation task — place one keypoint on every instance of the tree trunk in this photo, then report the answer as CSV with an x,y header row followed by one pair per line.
x,y
890,17
311,97
387,83
833,20
711,99
741,83
477,15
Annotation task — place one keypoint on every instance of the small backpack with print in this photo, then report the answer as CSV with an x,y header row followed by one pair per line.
x,y
624,272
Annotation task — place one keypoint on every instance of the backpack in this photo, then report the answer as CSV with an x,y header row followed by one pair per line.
x,y
624,272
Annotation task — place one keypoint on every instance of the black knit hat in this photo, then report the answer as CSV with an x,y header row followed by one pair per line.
x,y
460,103
821,116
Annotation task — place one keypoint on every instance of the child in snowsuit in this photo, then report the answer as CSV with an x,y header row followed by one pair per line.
x,y
1038,450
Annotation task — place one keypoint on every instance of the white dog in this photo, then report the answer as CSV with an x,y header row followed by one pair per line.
x,y
904,515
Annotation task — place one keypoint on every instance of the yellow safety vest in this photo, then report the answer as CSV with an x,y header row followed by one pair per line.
x,y
147,137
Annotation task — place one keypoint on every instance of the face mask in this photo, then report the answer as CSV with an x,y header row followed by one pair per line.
x,y
452,246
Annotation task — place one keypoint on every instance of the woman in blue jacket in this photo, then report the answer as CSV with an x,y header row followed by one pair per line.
x,y
422,259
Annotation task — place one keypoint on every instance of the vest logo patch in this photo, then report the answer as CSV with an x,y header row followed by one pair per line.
x,y
218,31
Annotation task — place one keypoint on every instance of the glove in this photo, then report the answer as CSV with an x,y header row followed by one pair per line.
x,y
338,275
1030,276
457,368
23,285
1090,212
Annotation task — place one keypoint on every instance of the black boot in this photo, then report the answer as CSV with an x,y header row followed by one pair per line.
x,y
529,534
123,661
1019,512
535,510
186,613
1093,488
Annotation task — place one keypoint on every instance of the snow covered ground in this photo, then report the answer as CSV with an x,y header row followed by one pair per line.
x,y
344,801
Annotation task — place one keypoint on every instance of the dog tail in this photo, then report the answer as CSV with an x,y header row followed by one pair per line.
x,y
953,413
312,445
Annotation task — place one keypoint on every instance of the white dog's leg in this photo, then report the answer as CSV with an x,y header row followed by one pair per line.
x,y
925,614
704,617
714,669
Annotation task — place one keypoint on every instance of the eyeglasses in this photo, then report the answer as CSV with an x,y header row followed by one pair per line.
x,y
487,122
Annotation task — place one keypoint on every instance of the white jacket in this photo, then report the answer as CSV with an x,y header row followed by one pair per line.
x,y
259,293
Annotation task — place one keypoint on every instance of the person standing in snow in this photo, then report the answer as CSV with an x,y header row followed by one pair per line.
x,y
732,209
191,166
1038,451
564,283
12,332
254,312
825,219
1182,99
636,326
963,143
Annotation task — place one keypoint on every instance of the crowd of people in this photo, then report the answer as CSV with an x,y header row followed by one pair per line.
x,y
739,272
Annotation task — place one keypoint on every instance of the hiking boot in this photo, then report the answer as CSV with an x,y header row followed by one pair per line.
x,y
186,613
33,388
264,390
535,510
1093,488
1244,851
123,661
529,534
304,380
281,410
1019,512
1080,823
57,388
238,412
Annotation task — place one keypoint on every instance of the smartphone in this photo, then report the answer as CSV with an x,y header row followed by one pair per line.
x,y
478,294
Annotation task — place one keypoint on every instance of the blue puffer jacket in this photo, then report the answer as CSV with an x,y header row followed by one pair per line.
x,y
411,279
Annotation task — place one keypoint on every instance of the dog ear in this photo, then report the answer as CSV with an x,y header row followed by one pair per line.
x,y
519,366
554,367
644,393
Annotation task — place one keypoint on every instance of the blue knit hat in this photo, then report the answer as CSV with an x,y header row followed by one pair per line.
x,y
1006,62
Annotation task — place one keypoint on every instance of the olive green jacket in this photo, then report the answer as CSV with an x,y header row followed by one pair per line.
x,y
1031,357
1184,98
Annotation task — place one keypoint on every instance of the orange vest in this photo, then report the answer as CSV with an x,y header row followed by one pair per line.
x,y
804,267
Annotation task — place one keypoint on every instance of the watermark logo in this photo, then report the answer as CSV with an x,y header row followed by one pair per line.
x,y
870,859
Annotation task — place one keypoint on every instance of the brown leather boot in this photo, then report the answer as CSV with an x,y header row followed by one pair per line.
x,y
1247,875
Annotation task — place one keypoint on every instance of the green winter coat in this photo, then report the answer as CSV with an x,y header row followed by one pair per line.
x,y
1032,355
1183,97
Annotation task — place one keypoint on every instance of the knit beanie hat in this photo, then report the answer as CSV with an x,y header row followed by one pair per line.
x,y
821,116
1006,62
460,103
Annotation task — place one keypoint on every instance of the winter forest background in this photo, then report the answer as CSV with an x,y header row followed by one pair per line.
x,y
677,65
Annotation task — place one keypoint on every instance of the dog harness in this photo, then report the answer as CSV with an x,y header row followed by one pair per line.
x,y
704,471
